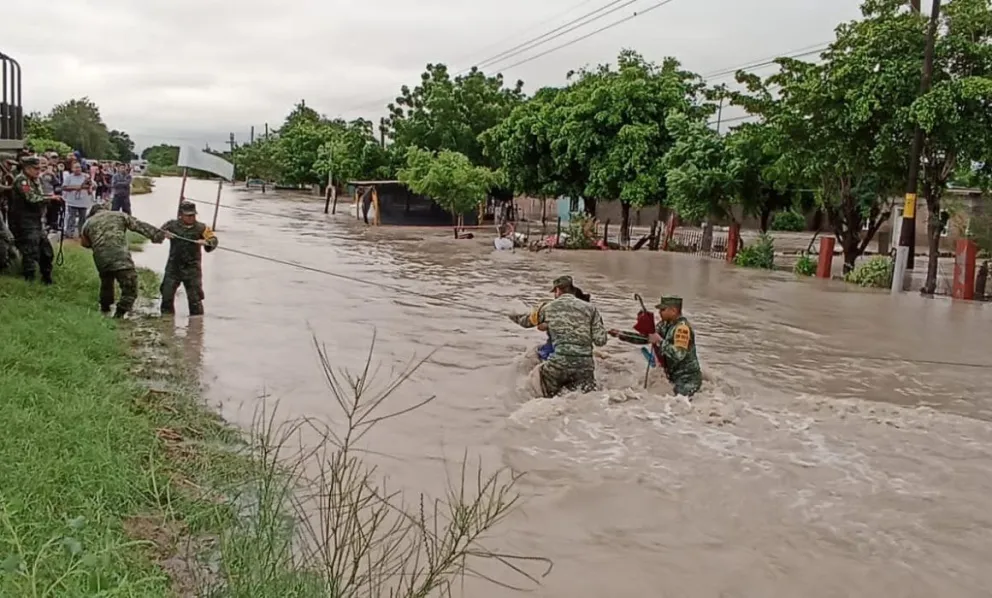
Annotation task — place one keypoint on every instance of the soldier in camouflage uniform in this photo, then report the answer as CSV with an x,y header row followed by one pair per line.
x,y
27,207
105,232
574,326
677,340
188,237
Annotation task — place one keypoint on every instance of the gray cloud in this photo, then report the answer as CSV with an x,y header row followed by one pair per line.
x,y
194,70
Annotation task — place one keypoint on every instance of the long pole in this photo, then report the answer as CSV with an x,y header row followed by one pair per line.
x,y
907,229
182,188
330,184
220,187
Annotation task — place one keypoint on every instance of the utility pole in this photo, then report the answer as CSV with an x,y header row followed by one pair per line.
x,y
251,138
231,143
266,131
907,228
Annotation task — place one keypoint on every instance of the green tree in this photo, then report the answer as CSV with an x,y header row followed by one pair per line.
x,y
445,113
78,124
522,145
123,147
758,184
956,115
612,124
843,122
350,152
449,178
697,170
162,155
39,136
257,160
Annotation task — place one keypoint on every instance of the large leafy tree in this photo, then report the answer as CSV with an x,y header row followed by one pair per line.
x,y
449,178
697,170
956,115
449,113
78,124
843,121
122,146
611,125
162,155
758,184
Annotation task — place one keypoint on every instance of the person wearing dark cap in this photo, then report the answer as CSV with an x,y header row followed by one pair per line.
x,y
677,341
26,210
575,326
188,236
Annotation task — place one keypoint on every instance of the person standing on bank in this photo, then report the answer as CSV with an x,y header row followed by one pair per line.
x,y
187,237
26,211
677,340
77,192
121,187
574,327
105,232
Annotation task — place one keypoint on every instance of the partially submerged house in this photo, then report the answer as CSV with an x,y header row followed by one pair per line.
x,y
391,203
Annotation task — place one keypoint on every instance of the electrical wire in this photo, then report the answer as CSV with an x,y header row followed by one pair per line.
x,y
654,6
557,32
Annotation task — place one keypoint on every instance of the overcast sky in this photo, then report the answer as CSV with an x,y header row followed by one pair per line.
x,y
191,71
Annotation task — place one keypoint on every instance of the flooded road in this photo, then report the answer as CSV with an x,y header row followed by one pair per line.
x,y
795,472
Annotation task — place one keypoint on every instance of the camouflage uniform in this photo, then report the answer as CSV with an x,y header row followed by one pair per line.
x,y
574,327
106,233
183,266
7,253
26,210
678,346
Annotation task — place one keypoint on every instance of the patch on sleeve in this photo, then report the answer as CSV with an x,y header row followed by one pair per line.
x,y
682,336
26,187
535,316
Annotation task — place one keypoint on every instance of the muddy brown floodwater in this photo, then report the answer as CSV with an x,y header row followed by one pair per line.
x,y
796,472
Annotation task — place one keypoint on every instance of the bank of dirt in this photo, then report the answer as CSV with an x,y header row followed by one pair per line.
x,y
107,455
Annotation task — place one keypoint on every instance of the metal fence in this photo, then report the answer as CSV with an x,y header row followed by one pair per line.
x,y
11,111
694,241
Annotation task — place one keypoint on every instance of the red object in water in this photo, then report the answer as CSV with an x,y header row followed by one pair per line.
x,y
645,326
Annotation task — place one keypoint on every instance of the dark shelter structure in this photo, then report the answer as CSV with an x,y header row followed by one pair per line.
x,y
391,203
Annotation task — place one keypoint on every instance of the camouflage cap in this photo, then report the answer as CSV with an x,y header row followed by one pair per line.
x,y
96,209
30,161
669,301
561,281
187,207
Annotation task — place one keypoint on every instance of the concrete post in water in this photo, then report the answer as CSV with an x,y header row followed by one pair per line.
x,y
220,187
733,240
706,242
965,255
825,265
558,233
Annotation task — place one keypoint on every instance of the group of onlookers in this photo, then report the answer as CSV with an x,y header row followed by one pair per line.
x,y
81,183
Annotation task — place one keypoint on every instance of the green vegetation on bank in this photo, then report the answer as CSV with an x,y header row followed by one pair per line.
x,y
142,185
81,452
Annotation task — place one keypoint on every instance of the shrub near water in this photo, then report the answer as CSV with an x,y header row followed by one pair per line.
x,y
805,265
789,221
875,273
760,254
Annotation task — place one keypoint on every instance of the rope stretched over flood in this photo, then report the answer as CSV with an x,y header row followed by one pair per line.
x,y
483,309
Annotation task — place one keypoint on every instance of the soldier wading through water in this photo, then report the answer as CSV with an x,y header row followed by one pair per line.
x,y
574,326
188,237
677,341
105,232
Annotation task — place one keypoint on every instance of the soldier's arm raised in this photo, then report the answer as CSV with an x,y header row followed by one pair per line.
x,y
529,320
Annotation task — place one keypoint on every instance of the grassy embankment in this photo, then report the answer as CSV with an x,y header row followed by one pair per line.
x,y
117,481
96,485
142,185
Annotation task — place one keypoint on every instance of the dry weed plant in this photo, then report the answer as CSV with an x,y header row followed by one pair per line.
x,y
340,532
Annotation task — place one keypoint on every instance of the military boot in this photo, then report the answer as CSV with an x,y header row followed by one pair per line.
x,y
119,313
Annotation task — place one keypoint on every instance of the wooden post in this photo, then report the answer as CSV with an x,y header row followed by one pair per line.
x,y
182,188
673,221
334,195
375,205
220,187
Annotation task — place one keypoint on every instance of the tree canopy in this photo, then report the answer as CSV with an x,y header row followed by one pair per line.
x,y
77,125
449,178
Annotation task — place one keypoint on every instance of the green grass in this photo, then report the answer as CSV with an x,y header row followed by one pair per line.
x,y
141,185
136,242
80,452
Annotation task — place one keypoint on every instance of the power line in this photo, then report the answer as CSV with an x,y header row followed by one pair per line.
x,y
655,6
556,33
768,61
